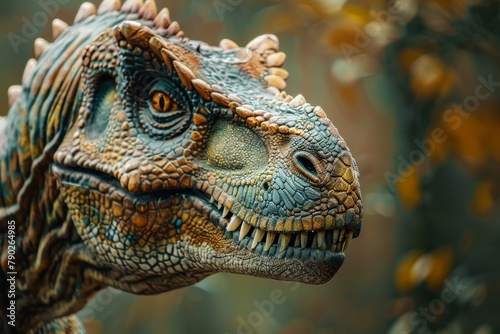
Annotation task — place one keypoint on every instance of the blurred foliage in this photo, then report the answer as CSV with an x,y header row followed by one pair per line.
x,y
400,80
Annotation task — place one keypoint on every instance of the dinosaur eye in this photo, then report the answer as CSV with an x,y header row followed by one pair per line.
x,y
163,103
161,115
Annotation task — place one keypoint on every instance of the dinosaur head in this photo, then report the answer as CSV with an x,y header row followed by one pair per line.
x,y
185,160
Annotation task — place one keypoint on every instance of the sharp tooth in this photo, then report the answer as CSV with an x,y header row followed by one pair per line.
x,y
234,223
244,230
225,212
303,240
341,236
349,239
219,205
212,200
259,234
297,241
284,240
339,247
335,236
322,239
315,241
269,240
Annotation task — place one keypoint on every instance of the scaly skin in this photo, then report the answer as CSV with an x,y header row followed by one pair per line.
x,y
137,159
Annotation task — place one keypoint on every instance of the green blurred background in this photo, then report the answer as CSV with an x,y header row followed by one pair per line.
x,y
414,88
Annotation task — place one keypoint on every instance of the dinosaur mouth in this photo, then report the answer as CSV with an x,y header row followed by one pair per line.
x,y
311,245
299,245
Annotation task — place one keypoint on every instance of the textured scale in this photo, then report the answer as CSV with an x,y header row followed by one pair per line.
x,y
137,159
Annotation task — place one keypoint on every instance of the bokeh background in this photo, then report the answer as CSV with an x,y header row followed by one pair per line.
x,y
414,88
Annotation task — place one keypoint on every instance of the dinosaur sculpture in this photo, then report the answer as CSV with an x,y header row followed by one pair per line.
x,y
134,158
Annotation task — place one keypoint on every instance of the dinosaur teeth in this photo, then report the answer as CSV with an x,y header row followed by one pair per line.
x,y
322,239
283,241
234,223
314,240
225,212
269,240
350,234
314,243
335,236
297,241
259,235
58,27
86,10
244,230
219,205
303,240
212,200
341,236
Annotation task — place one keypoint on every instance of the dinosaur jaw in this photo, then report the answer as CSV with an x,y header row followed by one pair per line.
x,y
182,230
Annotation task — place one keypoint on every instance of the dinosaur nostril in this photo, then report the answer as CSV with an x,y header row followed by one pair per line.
x,y
307,165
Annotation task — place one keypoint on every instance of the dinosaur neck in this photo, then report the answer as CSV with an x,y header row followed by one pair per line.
x,y
50,256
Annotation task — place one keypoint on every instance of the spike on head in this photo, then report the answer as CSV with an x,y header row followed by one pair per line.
x,y
273,90
132,6
28,70
264,43
174,29
297,101
136,34
86,10
40,45
148,11
58,27
228,44
162,20
109,6
184,73
276,81
13,93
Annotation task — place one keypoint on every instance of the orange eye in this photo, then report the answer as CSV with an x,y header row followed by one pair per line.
x,y
162,102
